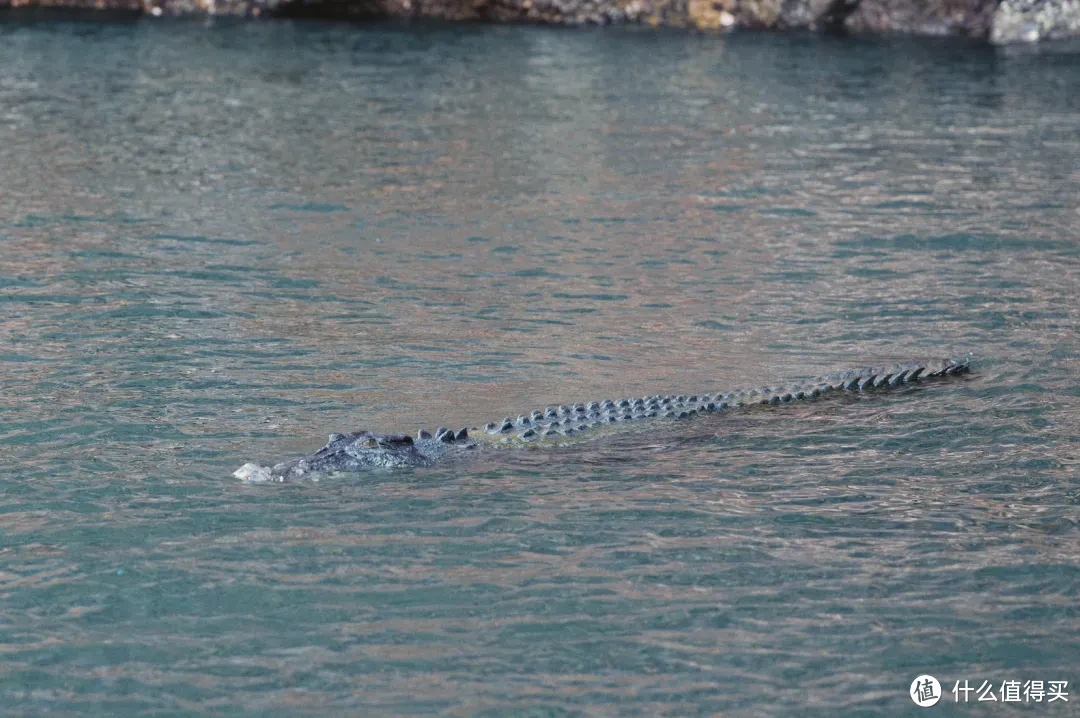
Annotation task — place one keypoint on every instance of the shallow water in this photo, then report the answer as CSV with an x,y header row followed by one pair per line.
x,y
219,244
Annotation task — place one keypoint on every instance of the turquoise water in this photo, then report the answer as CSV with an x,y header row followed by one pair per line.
x,y
219,244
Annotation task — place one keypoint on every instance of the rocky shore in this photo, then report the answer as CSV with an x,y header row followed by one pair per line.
x,y
997,21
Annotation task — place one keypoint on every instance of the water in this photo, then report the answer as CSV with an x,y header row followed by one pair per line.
x,y
219,244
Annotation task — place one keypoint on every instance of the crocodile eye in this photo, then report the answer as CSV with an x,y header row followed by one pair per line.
x,y
369,443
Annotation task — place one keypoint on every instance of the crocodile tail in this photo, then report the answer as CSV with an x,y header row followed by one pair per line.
x,y
950,367
895,375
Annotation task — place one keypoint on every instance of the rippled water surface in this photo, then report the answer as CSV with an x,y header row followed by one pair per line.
x,y
219,244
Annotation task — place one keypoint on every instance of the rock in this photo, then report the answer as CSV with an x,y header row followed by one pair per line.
x,y
814,14
1033,20
971,18
705,14
1011,21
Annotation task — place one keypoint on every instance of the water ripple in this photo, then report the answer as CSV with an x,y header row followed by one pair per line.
x,y
222,243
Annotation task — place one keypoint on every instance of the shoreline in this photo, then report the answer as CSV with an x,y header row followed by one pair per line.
x,y
997,22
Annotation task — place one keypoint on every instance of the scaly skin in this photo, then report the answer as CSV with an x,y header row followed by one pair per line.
x,y
364,450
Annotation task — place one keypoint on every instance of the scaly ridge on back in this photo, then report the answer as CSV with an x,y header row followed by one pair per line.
x,y
558,425
569,420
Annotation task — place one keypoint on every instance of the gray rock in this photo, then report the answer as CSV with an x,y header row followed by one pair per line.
x,y
971,18
1034,20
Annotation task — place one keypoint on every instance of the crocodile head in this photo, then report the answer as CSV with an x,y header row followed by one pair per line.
x,y
355,451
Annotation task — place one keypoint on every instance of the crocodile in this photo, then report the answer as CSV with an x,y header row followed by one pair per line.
x,y
359,451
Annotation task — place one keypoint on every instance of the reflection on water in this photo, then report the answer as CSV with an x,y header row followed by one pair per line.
x,y
220,244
